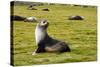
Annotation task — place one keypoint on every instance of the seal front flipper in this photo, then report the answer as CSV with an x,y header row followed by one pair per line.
x,y
40,50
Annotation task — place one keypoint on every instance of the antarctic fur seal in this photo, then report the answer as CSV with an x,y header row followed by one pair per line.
x,y
76,17
45,9
30,19
17,18
46,43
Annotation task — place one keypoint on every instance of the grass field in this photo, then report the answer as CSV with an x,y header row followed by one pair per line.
x,y
81,34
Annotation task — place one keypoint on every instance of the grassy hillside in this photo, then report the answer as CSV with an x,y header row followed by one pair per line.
x,y
81,34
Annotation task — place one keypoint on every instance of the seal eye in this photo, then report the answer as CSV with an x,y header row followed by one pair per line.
x,y
44,22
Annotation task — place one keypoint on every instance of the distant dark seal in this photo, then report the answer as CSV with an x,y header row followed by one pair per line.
x,y
76,17
45,43
17,17
30,7
45,9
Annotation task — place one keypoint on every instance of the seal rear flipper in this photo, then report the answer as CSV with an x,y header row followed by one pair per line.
x,y
65,47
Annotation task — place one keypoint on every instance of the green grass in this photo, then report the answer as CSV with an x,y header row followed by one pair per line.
x,y
81,35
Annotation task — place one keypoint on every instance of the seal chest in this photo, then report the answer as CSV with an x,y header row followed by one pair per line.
x,y
39,34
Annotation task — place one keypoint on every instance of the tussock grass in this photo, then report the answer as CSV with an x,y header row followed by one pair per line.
x,y
81,35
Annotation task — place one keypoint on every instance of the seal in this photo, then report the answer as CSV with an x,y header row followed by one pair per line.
x,y
46,43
